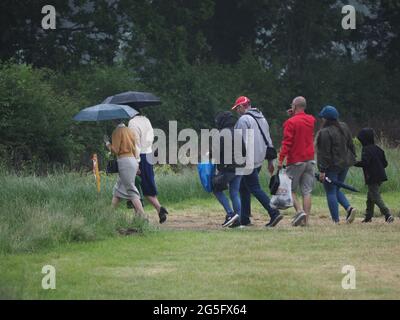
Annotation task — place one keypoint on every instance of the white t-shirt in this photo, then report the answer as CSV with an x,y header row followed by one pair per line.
x,y
144,133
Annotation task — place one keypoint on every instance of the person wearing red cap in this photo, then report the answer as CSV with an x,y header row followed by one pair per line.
x,y
256,135
298,150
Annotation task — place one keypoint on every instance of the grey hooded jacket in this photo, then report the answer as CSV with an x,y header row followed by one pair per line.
x,y
257,144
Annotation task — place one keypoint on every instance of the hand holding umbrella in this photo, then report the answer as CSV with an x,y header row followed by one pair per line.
x,y
106,140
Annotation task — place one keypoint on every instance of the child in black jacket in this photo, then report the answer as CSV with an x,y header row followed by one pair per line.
x,y
373,161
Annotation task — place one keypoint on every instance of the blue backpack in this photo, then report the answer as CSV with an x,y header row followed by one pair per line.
x,y
206,172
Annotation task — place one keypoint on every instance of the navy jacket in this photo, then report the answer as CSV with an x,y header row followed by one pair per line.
x,y
373,159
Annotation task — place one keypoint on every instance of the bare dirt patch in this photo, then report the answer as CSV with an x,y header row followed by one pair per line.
x,y
196,219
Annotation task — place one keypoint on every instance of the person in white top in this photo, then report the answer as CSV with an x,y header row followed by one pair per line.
x,y
144,133
143,130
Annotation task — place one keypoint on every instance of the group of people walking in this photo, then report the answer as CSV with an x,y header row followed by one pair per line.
x,y
335,154
332,152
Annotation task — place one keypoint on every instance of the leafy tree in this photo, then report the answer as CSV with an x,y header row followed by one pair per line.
x,y
35,119
86,32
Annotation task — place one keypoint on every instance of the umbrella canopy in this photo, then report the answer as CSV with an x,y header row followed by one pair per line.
x,y
134,99
103,112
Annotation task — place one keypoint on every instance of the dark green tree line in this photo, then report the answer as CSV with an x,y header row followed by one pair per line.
x,y
198,56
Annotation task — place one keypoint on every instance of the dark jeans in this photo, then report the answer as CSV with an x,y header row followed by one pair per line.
x,y
250,185
374,198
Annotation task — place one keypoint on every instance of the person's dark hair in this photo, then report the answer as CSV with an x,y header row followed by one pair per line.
x,y
224,119
334,122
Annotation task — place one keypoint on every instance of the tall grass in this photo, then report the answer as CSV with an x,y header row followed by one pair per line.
x,y
176,187
37,212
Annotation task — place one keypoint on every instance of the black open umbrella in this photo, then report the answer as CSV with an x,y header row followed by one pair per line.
x,y
134,99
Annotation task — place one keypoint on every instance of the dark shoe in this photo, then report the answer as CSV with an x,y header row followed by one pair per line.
x,y
299,219
274,220
236,224
246,223
230,220
367,219
227,217
389,218
163,214
351,214
249,224
296,216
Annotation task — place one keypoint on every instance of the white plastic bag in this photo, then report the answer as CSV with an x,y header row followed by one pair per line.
x,y
283,198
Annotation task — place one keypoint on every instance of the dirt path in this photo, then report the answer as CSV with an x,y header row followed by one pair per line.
x,y
207,220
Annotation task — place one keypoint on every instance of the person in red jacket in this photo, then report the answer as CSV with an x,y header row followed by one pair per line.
x,y
298,150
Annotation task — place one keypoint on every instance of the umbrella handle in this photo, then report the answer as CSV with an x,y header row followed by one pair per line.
x,y
326,178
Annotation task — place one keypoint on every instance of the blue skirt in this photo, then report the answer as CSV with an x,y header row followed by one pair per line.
x,y
148,183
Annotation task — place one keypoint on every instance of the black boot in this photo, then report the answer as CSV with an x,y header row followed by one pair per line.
x,y
163,214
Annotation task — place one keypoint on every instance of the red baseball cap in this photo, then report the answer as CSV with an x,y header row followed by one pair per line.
x,y
239,101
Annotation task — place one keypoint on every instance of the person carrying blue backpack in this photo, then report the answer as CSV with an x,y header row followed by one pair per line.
x,y
226,177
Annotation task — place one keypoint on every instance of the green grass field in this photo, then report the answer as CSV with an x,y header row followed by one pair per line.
x,y
206,262
60,220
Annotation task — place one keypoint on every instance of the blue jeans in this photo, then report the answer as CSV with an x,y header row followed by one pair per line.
x,y
334,195
250,185
233,194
